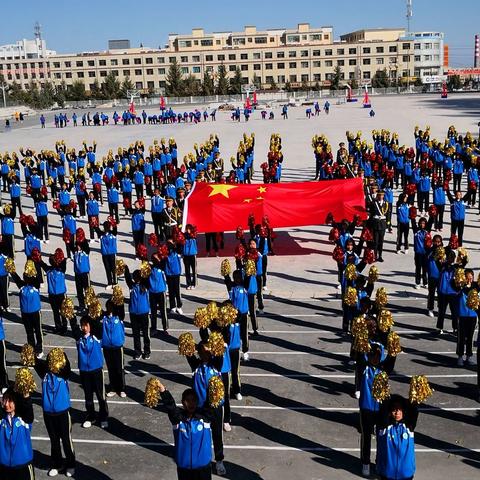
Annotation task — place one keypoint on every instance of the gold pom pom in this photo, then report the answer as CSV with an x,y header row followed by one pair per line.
x,y
350,272
90,296
216,344
459,278
385,320
216,391
393,344
360,335
10,265
473,302
145,269
67,309
381,298
462,255
420,389
24,382
56,360
213,311
27,355
30,270
250,268
373,274
120,268
350,298
152,392
117,295
381,387
95,309
440,255
225,268
228,314
201,319
186,344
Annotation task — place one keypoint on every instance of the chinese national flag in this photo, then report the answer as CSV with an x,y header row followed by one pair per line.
x,y
221,207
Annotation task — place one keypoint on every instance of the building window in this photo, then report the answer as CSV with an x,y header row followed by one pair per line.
x,y
366,75
380,50
379,61
91,74
114,62
366,61
340,51
91,63
149,60
149,71
55,65
352,51
406,46
139,85
340,63
304,64
160,59
244,56
68,64
269,66
417,58
232,56
328,52
304,53
161,71
428,46
103,73
126,73
256,55
292,65
281,78
162,83
316,53
209,58
257,66
57,75
317,77
406,58
196,58
138,71
221,58
280,54
352,62
184,43
79,64
427,58
304,77
172,59
232,68
316,37
417,46
150,85
80,74
269,79
280,66
260,40
182,69
184,59
125,61
393,59
243,68
316,64
329,63
293,78
293,38
366,50
292,54
218,42
137,61
196,69
206,43
392,49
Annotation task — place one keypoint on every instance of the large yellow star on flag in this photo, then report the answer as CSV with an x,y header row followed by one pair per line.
x,y
221,189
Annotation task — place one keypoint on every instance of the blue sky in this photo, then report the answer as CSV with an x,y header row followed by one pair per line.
x,y
87,25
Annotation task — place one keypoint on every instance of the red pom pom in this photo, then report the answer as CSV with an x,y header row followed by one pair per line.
x,y
453,243
183,168
29,189
239,233
448,175
44,191
472,185
179,237
432,211
111,221
160,175
264,166
191,231
97,187
428,241
80,235
58,256
142,252
239,252
412,213
263,232
67,235
72,204
334,234
23,219
369,256
141,202
93,222
338,254
343,171
148,180
114,180
390,174
153,240
30,220
329,218
357,220
105,179
411,189
127,203
251,219
366,235
252,254
265,221
56,204
162,251
36,255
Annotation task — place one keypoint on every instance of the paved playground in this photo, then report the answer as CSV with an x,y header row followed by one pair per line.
x,y
298,417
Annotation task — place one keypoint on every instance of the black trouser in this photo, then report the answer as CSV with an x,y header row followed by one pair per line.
x,y
235,365
140,328
25,472
439,217
16,203
92,382
33,328
252,312
174,297
378,236
211,241
445,301
56,303
227,412
81,204
59,428
243,321
158,302
402,230
348,315
3,366
204,473
82,282
139,191
466,329
457,181
264,270
421,268
217,433
368,421
109,264
138,237
116,371
190,263
4,302
43,227
423,201
8,245
432,290
157,224
113,210
457,228
260,292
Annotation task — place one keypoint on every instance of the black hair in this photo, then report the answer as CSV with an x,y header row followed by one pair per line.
x,y
10,395
189,391
85,320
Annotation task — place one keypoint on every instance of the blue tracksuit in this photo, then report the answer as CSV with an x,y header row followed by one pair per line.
x,y
55,394
90,356
113,329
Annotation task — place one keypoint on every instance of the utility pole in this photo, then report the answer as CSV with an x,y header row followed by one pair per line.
x,y
409,13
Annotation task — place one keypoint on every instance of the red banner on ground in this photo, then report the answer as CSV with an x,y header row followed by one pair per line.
x,y
223,207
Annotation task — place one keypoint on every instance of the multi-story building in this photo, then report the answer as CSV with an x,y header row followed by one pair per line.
x,y
304,56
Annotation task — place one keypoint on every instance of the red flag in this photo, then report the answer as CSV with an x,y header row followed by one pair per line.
x,y
247,103
223,207
131,108
254,98
162,103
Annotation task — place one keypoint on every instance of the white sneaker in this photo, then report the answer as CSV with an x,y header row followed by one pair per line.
x,y
47,241
173,310
406,253
238,396
87,424
8,309
366,470
111,394
123,394
399,252
109,287
227,427
352,362
70,472
246,357
357,394
40,355
339,286
4,389
179,310
417,286
220,468
104,424
265,287
470,361
460,362
53,472
260,311
431,314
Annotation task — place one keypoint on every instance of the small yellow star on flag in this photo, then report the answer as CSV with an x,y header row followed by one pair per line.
x,y
262,189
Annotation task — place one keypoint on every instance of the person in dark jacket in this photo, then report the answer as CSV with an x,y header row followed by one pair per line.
x,y
56,414
16,453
